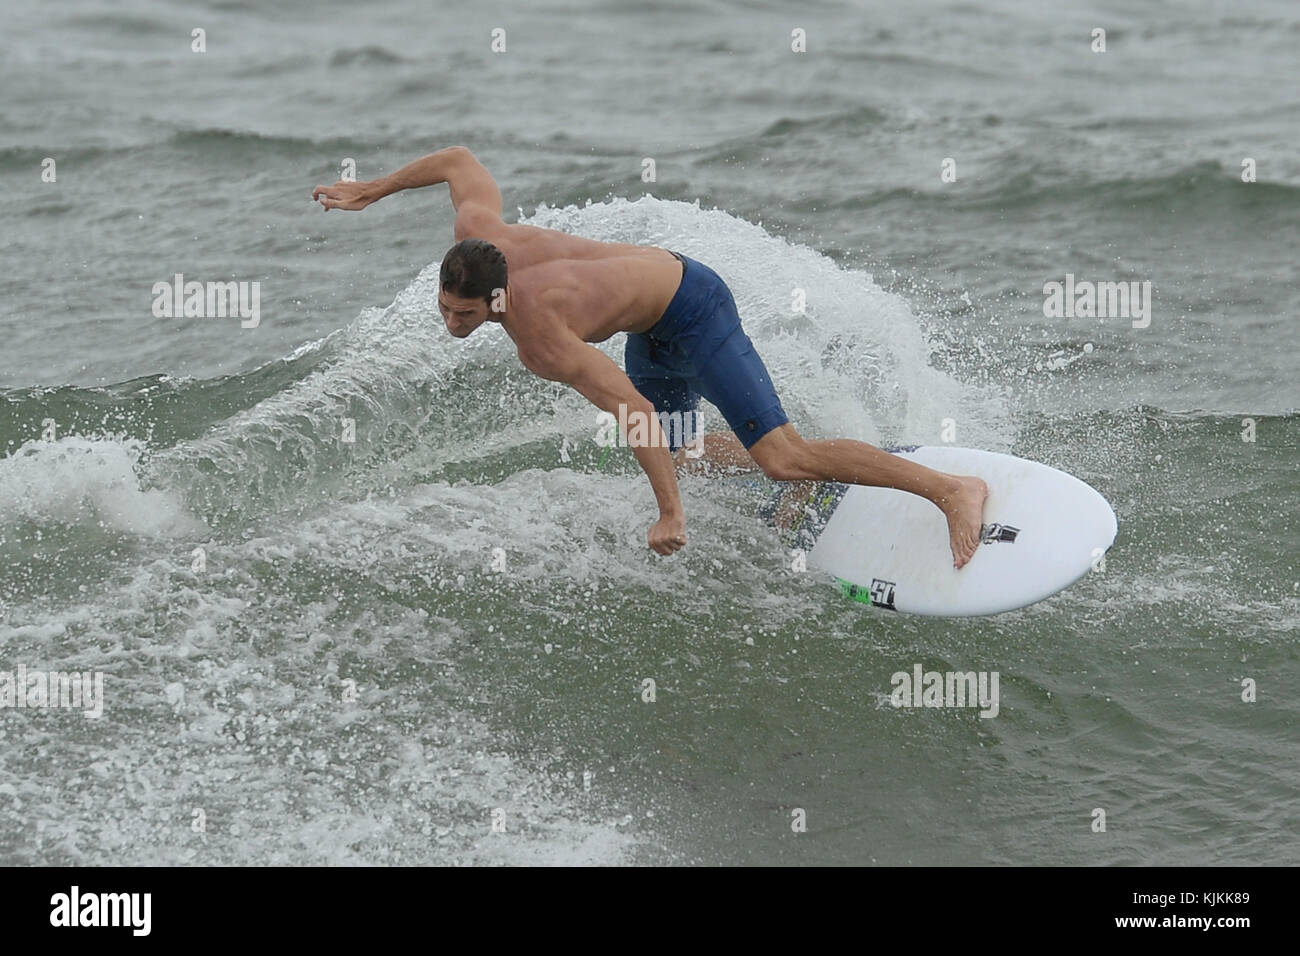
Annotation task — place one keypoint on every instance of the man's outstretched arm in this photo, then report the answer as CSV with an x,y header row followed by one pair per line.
x,y
566,358
471,184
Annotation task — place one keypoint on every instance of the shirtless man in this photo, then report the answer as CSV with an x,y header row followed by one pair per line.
x,y
553,293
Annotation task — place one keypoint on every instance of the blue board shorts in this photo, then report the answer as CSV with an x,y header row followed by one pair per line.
x,y
698,348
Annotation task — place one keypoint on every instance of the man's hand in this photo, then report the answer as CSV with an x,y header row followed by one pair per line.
x,y
668,534
344,195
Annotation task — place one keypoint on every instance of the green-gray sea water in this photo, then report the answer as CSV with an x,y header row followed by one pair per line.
x,y
369,651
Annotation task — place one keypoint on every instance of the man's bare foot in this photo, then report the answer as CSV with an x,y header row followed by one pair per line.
x,y
964,508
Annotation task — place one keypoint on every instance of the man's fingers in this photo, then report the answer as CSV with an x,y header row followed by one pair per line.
x,y
332,191
666,545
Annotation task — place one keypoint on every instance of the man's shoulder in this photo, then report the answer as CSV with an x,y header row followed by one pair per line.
x,y
478,221
542,295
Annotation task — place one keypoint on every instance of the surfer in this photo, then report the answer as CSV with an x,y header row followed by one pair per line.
x,y
553,293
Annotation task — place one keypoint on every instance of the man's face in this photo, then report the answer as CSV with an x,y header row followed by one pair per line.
x,y
462,316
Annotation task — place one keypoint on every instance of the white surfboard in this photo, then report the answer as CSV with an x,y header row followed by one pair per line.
x,y
1043,530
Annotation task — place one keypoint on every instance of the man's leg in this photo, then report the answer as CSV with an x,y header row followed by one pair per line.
x,y
785,456
722,454
728,371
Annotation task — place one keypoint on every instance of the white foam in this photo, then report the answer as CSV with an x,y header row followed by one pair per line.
x,y
283,769
76,480
854,364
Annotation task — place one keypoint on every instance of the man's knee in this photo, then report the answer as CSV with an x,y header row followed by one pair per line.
x,y
782,455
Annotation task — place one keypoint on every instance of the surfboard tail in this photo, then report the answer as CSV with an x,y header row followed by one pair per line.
x,y
808,518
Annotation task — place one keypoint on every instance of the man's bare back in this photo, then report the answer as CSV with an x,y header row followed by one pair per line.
x,y
554,293
614,288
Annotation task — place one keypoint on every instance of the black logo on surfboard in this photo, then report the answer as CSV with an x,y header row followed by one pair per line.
x,y
882,594
990,533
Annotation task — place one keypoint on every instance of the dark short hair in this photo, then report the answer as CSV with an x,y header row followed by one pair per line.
x,y
473,269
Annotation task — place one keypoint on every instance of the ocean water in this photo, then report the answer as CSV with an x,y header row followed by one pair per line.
x,y
318,651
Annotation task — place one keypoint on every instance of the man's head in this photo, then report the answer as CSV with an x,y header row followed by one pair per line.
x,y
473,273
